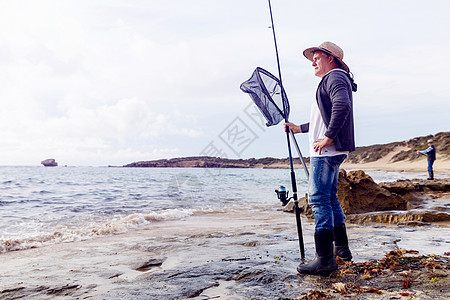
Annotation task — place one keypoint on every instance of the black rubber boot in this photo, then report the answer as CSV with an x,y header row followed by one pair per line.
x,y
324,263
431,175
341,243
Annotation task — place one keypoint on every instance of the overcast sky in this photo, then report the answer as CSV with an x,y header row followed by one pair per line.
x,y
111,82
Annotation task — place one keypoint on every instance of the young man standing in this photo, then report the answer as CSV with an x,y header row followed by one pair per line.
x,y
431,157
331,138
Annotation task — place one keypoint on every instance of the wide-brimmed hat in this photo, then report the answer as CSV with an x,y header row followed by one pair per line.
x,y
330,48
430,141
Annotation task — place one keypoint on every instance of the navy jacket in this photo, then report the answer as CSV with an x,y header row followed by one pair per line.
x,y
335,100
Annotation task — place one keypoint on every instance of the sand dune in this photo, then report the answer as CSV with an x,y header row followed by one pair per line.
x,y
441,165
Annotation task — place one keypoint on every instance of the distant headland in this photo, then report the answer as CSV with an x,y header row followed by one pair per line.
x,y
392,156
212,162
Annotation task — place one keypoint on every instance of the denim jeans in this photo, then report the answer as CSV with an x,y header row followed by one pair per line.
x,y
324,174
430,165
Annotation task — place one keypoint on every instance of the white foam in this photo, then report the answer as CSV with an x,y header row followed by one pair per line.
x,y
92,229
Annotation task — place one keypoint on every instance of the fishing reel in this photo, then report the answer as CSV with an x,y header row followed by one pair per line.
x,y
283,195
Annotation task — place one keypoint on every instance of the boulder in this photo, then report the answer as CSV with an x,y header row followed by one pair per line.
x,y
358,193
49,162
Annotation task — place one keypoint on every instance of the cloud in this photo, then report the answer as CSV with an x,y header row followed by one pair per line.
x,y
88,82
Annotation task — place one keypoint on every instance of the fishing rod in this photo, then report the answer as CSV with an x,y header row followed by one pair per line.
x,y
293,180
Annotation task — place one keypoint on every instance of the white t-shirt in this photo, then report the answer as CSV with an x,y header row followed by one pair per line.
x,y
317,129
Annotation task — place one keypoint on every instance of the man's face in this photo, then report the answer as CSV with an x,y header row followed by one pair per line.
x,y
321,63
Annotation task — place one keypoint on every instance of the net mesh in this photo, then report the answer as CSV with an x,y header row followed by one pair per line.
x,y
266,91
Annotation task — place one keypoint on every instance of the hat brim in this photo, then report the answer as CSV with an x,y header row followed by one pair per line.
x,y
309,53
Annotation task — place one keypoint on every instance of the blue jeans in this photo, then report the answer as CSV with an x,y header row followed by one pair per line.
x,y
430,165
324,174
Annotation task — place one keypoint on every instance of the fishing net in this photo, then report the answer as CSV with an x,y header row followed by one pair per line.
x,y
266,91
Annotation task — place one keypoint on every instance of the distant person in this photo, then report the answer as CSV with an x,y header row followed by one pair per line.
x,y
431,157
331,138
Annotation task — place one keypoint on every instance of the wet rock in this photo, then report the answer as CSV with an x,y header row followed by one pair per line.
x,y
12,290
302,204
65,290
38,292
250,275
414,223
403,187
413,217
154,262
421,209
358,193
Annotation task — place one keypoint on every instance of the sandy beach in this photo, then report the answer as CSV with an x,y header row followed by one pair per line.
x,y
441,165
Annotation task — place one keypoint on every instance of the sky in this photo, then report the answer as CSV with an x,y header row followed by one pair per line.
x,y
109,82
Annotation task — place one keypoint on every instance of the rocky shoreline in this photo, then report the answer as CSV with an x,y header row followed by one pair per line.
x,y
402,202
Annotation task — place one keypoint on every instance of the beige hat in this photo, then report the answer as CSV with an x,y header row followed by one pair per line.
x,y
330,48
430,141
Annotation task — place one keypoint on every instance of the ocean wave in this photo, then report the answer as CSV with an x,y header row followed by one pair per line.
x,y
93,229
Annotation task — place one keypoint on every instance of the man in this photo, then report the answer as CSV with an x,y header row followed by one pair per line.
x,y
431,157
331,138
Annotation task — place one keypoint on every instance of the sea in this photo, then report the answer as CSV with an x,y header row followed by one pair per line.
x,y
42,206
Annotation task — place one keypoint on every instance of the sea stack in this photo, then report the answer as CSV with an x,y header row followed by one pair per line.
x,y
49,163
